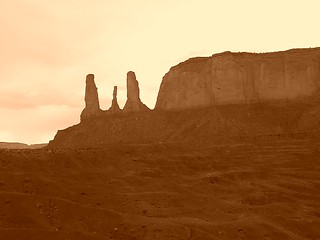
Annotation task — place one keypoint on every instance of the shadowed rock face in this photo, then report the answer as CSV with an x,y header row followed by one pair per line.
x,y
114,106
240,78
133,103
92,107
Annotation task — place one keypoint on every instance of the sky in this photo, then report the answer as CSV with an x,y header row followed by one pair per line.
x,y
48,47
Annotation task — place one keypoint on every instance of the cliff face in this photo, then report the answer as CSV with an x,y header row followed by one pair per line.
x,y
240,78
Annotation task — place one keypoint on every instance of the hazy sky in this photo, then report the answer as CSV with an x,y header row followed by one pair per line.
x,y
48,47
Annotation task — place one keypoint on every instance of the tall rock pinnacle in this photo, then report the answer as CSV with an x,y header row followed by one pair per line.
x,y
133,103
115,106
92,107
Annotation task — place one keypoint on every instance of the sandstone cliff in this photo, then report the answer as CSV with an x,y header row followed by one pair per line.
x,y
240,78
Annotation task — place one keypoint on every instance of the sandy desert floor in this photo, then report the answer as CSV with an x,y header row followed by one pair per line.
x,y
266,190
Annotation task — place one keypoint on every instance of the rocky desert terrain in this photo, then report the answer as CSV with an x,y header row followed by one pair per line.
x,y
231,151
252,190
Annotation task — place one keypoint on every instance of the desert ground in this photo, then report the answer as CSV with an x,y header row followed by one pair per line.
x,y
249,190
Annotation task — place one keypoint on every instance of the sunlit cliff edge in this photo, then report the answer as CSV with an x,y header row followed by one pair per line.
x,y
227,95
240,78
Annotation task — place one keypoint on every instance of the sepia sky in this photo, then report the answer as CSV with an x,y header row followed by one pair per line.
x,y
48,47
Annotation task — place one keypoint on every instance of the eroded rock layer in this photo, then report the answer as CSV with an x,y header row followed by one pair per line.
x,y
240,78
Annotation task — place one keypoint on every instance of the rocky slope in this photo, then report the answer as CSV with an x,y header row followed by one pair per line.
x,y
215,124
240,78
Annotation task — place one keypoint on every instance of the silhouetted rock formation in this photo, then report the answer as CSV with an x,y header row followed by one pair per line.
x,y
226,96
133,103
92,107
114,109
240,78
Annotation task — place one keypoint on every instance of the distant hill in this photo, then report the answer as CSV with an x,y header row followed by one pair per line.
x,y
16,145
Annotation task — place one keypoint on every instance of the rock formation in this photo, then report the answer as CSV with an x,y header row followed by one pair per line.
x,y
92,107
114,106
218,91
133,103
240,78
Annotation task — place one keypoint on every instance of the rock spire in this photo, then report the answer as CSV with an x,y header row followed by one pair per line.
x,y
133,103
92,107
114,106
